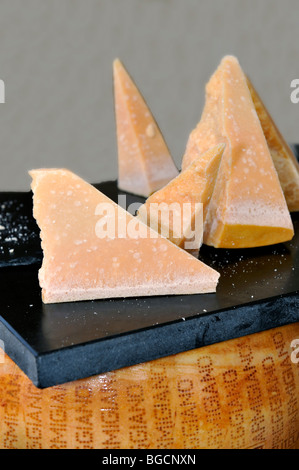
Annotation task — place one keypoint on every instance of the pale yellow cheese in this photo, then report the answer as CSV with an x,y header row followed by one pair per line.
x,y
285,162
248,207
238,394
144,161
178,211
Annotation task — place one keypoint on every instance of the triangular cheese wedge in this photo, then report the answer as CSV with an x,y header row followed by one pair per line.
x,y
248,208
94,249
285,162
178,211
144,162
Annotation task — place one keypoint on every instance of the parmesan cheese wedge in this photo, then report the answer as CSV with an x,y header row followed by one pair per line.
x,y
94,249
178,211
248,207
285,162
144,162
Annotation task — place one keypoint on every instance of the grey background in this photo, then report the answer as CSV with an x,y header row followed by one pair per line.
x,y
56,61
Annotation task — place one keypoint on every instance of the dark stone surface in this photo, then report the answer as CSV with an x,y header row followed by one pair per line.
x,y
53,344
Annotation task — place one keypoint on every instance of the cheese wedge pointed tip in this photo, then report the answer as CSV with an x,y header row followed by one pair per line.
x,y
248,207
144,161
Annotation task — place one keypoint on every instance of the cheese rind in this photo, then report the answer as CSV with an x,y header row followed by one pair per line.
x,y
144,161
285,162
237,394
191,190
94,249
248,204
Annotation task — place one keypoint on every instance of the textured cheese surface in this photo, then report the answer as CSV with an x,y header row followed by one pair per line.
x,y
144,162
128,260
192,186
284,160
248,207
238,394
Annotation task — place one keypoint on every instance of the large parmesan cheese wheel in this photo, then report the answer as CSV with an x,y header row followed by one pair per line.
x,y
242,393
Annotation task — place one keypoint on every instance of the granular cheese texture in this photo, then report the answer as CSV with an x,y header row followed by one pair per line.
x,y
144,161
96,249
285,162
248,207
191,190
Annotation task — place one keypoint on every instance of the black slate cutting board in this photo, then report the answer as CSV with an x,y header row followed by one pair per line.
x,y
53,344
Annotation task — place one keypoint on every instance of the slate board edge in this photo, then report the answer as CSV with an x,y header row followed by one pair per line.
x,y
19,351
98,357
